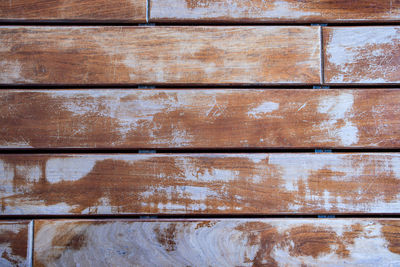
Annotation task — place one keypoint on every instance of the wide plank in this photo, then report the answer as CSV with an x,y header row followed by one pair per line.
x,y
160,55
200,118
362,55
291,183
218,242
16,243
73,11
289,11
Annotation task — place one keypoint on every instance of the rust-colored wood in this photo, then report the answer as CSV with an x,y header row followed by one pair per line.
x,y
160,55
200,184
200,118
73,10
15,247
293,11
218,242
362,55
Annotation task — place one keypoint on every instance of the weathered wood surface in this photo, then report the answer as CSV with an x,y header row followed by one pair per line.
x,y
15,247
197,118
292,11
200,184
74,10
160,55
362,55
233,242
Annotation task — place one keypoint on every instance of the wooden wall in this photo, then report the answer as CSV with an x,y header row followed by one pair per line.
x,y
199,133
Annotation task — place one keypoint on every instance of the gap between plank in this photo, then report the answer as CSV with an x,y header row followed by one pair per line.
x,y
61,151
190,216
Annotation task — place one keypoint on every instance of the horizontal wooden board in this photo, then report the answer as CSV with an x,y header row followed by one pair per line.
x,y
160,55
233,242
199,118
362,55
15,243
200,184
74,10
292,11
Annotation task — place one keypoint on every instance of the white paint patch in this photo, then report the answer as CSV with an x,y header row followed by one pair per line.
x,y
395,166
338,108
68,168
263,109
347,45
11,72
30,173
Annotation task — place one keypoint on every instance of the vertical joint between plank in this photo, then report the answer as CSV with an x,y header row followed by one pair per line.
x,y
147,11
30,243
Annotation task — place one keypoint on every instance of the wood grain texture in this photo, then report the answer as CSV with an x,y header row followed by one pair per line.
x,y
73,10
200,184
292,11
200,118
362,55
233,242
160,55
15,247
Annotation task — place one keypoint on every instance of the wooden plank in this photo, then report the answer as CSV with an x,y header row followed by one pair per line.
x,y
73,10
362,55
15,243
292,11
218,242
199,118
200,184
160,55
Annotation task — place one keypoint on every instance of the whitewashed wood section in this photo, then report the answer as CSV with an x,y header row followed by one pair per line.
x,y
275,11
16,243
223,55
362,55
287,183
217,242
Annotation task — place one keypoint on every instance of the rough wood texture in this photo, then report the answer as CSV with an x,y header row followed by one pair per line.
x,y
362,55
234,242
73,10
202,184
275,11
197,118
160,55
15,247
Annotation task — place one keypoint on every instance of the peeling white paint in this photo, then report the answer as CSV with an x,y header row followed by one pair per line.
x,y
263,109
339,109
11,72
347,45
179,9
344,168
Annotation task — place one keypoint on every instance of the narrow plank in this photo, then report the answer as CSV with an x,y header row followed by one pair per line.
x,y
290,11
73,10
200,118
218,242
362,55
200,184
159,55
15,247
